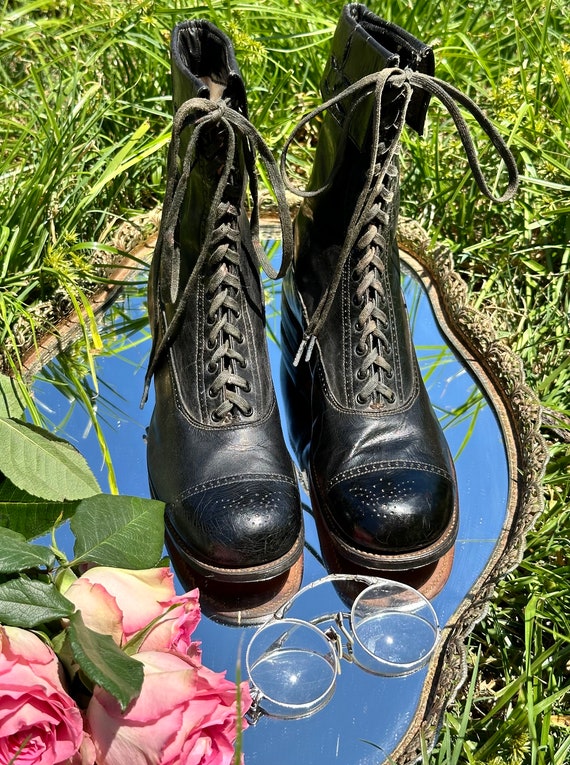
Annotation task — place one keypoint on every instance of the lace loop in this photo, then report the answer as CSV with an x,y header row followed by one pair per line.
x,y
202,114
365,210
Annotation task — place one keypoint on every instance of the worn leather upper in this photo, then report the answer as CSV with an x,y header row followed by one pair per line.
x,y
233,503
379,467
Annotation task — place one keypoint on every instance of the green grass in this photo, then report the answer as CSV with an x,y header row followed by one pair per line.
x,y
83,132
78,126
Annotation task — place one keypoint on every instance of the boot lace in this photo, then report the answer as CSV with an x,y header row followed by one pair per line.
x,y
222,288
219,251
369,275
365,240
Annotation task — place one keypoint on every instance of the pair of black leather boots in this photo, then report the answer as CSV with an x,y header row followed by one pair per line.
x,y
381,477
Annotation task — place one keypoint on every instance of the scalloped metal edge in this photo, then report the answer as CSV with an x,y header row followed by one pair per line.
x,y
500,372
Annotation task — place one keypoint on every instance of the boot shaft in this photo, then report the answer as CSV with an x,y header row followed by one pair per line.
x,y
204,277
203,65
363,43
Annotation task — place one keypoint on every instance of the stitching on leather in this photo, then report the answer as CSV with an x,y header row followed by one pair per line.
x,y
379,466
217,482
347,336
238,425
200,353
253,358
365,412
394,345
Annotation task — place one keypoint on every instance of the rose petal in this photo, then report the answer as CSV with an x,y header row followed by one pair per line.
x,y
39,721
99,609
174,630
138,594
184,714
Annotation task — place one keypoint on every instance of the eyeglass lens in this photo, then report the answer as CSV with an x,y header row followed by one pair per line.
x,y
396,626
293,665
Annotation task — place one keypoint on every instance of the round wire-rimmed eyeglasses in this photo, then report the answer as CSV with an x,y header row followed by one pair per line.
x,y
293,664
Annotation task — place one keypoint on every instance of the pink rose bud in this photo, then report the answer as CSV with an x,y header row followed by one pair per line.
x,y
185,715
39,721
122,602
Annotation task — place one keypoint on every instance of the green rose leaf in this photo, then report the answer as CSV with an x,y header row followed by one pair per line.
x,y
42,464
27,603
16,554
121,531
104,663
10,399
29,515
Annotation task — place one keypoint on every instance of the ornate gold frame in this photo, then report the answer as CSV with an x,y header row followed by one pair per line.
x,y
500,373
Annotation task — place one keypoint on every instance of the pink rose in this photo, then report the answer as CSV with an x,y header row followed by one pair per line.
x,y
39,721
185,715
121,602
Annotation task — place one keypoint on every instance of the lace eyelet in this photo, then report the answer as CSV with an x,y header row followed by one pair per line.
x,y
360,400
360,375
359,350
248,412
357,301
247,388
211,393
211,345
212,367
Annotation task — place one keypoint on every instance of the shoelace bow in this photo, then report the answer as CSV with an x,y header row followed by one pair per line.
x,y
367,208
201,113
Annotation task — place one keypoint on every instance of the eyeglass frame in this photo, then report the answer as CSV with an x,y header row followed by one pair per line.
x,y
334,641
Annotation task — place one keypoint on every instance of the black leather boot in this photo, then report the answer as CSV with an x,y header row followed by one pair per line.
x,y
380,474
216,453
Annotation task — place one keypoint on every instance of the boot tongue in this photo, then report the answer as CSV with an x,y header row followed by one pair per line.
x,y
364,43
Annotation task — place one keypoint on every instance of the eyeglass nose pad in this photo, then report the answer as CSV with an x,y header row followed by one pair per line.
x,y
395,628
292,667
